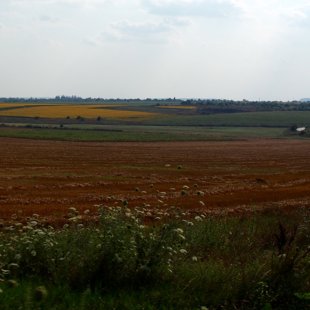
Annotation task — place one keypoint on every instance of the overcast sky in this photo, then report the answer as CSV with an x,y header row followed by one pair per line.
x,y
253,49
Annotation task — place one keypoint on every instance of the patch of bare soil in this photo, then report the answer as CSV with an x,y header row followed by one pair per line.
x,y
48,177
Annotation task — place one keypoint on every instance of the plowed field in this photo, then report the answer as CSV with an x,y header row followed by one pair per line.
x,y
48,177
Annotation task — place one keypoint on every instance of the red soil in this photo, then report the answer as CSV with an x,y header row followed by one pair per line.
x,y
48,177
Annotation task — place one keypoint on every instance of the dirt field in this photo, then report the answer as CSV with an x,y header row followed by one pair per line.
x,y
48,177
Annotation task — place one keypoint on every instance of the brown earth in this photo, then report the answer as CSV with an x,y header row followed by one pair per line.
x,y
48,177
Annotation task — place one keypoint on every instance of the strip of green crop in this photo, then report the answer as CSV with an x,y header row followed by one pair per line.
x,y
144,133
253,119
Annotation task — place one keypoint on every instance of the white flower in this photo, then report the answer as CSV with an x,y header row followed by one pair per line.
x,y
13,266
118,258
179,230
183,251
188,223
33,223
194,259
181,237
18,257
39,232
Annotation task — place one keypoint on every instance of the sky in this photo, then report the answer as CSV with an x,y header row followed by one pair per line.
x,y
232,49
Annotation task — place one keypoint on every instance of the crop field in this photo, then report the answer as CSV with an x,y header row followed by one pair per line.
x,y
47,177
185,107
245,119
138,122
70,111
156,115
139,133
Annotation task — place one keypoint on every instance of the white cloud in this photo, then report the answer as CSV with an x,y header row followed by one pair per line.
x,y
207,8
74,2
12,5
48,19
273,9
150,31
270,11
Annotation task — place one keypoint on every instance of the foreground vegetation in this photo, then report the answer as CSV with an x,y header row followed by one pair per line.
x,y
136,258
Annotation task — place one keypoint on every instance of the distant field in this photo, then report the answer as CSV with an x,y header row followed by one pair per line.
x,y
141,133
174,115
14,105
248,119
71,111
185,107
127,122
19,105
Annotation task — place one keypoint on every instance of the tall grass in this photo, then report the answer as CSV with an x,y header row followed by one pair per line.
x,y
175,262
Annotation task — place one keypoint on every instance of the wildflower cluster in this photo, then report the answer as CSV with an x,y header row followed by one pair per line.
x,y
120,248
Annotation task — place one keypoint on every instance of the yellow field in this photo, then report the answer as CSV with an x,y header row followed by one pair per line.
x,y
185,107
14,105
71,110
